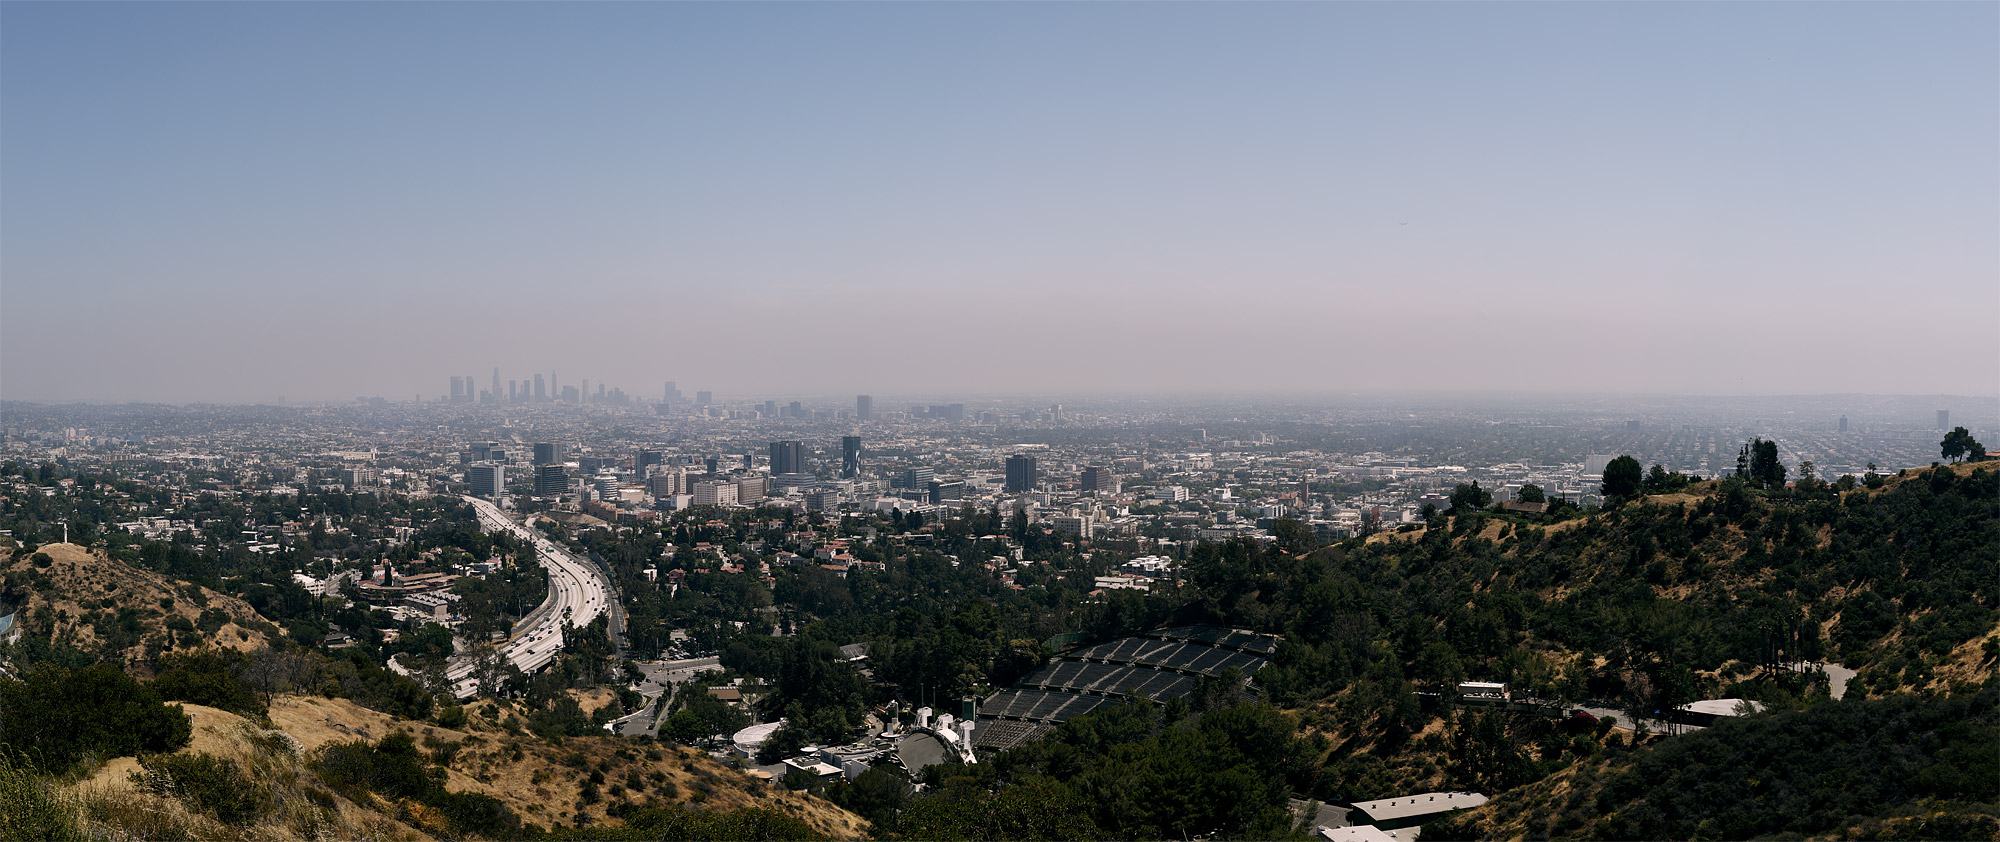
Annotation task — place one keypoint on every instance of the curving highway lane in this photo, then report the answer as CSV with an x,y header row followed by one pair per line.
x,y
576,596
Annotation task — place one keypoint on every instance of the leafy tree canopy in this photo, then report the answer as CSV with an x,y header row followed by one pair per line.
x,y
1622,477
57,716
1469,496
1959,444
1758,464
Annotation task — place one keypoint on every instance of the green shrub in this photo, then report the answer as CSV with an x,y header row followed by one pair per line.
x,y
58,716
396,768
31,807
562,718
393,767
476,813
210,784
749,823
209,677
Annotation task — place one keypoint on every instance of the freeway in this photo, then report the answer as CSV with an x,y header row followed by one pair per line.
x,y
616,628
577,594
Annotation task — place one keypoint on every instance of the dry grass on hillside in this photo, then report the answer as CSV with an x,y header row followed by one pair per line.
x,y
544,780
541,780
1967,663
79,582
296,804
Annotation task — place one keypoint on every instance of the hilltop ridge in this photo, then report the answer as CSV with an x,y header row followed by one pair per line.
x,y
83,598
293,780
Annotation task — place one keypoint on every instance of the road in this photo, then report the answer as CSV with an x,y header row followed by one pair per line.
x,y
661,677
1837,676
577,594
1326,815
615,628
1655,726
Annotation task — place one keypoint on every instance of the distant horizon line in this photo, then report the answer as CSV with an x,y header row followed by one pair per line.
x,y
651,400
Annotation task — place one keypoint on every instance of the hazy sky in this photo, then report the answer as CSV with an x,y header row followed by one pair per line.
x,y
237,201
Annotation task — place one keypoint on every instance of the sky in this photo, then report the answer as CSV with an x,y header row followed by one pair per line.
x,y
242,202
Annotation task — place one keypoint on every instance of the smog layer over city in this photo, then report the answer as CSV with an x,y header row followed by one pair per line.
x,y
1313,421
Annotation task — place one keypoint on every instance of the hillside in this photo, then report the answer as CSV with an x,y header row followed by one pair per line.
x,y
121,613
1705,593
1718,580
291,801
295,777
1710,592
493,775
1907,767
544,780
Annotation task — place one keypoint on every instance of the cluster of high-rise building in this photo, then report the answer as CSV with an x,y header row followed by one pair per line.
x,y
1148,468
548,389
537,390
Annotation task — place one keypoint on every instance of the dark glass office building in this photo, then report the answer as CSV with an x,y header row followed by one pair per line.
x,y
1020,473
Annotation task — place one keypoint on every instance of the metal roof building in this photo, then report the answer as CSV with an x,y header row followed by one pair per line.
x,y
1413,810
1709,711
1363,833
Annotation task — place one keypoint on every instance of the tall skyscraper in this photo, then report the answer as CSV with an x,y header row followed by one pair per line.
x,y
864,408
1020,473
704,398
850,457
471,391
670,395
1944,419
496,384
788,457
549,453
457,389
1100,479
1843,423
770,409
541,389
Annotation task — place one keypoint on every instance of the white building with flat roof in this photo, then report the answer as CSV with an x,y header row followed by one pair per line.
x,y
1361,833
1412,810
711,493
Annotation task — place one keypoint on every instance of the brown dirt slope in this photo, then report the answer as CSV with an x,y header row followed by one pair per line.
x,y
541,780
544,780
79,597
296,806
